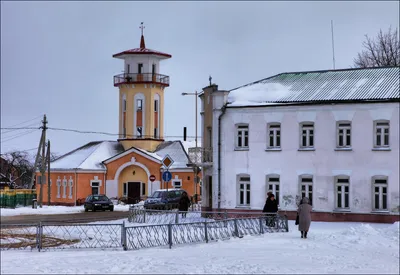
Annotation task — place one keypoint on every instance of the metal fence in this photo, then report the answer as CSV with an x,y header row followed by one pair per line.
x,y
48,236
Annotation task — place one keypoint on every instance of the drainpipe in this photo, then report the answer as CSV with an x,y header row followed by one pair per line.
x,y
105,186
223,109
76,186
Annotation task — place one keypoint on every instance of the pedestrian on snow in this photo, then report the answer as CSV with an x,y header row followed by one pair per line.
x,y
184,203
304,212
270,208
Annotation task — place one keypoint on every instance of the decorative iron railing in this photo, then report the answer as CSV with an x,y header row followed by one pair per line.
x,y
129,78
200,155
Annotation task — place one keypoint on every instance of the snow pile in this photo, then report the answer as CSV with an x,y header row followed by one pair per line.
x,y
51,210
258,93
265,254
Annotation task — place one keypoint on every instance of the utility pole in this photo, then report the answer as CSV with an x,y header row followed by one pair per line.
x,y
48,174
36,162
43,165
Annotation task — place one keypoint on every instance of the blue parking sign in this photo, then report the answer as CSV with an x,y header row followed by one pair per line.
x,y
167,176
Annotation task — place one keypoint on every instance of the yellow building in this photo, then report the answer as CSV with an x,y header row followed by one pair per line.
x,y
130,167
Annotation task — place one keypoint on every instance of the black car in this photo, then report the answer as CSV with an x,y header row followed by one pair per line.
x,y
164,199
98,202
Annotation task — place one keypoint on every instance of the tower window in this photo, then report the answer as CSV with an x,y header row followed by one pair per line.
x,y
140,68
139,131
155,105
154,69
139,104
128,68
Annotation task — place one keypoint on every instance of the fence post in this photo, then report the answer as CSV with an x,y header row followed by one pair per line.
x,y
225,219
40,235
170,235
123,236
177,217
144,216
261,225
286,223
236,230
205,232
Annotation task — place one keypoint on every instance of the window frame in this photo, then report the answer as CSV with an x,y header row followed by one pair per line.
x,y
347,127
307,126
64,185
245,192
139,104
71,188
179,185
342,192
276,136
240,131
98,186
58,188
382,134
274,183
306,180
380,193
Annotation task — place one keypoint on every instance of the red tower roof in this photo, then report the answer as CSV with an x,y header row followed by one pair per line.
x,y
142,50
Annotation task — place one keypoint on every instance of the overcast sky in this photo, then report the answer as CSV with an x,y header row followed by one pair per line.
x,y
56,57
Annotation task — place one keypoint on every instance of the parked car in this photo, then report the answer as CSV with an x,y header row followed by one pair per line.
x,y
164,199
98,202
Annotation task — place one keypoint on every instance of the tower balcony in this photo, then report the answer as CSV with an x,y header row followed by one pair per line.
x,y
145,78
201,156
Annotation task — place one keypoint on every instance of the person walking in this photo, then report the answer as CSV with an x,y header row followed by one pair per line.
x,y
304,212
184,203
270,208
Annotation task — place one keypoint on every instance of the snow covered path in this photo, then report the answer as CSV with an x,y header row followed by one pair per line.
x,y
331,248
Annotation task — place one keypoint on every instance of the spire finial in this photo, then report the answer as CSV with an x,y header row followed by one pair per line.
x,y
210,79
142,44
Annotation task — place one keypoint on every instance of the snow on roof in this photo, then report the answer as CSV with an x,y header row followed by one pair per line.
x,y
88,157
331,85
142,51
176,151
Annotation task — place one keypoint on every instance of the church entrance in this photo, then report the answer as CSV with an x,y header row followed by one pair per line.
x,y
133,195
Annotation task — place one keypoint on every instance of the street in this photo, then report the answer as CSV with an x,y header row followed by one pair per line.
x,y
83,217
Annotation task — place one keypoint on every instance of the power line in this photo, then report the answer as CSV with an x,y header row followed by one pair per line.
x,y
18,129
18,135
95,132
24,122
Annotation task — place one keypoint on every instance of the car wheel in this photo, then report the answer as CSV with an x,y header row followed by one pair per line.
x,y
86,210
112,209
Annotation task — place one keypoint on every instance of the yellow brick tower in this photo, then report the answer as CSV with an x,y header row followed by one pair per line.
x,y
141,97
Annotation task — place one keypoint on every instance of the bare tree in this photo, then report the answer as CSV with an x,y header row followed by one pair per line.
x,y
16,169
384,50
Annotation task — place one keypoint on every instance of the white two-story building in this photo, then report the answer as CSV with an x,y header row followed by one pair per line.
x,y
332,136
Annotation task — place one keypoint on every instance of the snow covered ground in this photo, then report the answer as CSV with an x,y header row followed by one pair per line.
x,y
50,210
330,248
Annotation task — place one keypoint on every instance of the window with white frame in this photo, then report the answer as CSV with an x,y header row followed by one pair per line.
x,y
177,183
380,191
71,188
64,195
242,136
273,186
381,138
58,188
343,134
155,105
306,185
274,135
139,103
95,187
307,135
342,192
244,190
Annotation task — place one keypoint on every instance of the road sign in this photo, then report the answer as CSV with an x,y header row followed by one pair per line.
x,y
152,178
167,176
167,161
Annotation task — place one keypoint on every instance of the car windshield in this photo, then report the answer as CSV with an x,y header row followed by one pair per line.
x,y
156,194
100,198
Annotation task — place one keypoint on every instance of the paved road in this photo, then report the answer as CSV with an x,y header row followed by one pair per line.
x,y
74,217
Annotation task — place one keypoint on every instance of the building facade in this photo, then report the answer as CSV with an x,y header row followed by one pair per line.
x,y
130,168
332,136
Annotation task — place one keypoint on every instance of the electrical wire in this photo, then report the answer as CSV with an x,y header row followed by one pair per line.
x,y
24,122
19,135
19,129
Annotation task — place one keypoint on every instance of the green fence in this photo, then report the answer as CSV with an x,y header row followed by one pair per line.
x,y
13,199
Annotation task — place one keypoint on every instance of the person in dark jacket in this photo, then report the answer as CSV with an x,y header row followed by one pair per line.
x,y
270,208
184,203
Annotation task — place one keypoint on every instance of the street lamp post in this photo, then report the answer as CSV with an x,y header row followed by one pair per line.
x,y
195,168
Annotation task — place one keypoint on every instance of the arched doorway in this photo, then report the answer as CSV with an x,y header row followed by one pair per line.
x,y
132,183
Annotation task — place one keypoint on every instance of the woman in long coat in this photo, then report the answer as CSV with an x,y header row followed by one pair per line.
x,y
184,203
304,213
